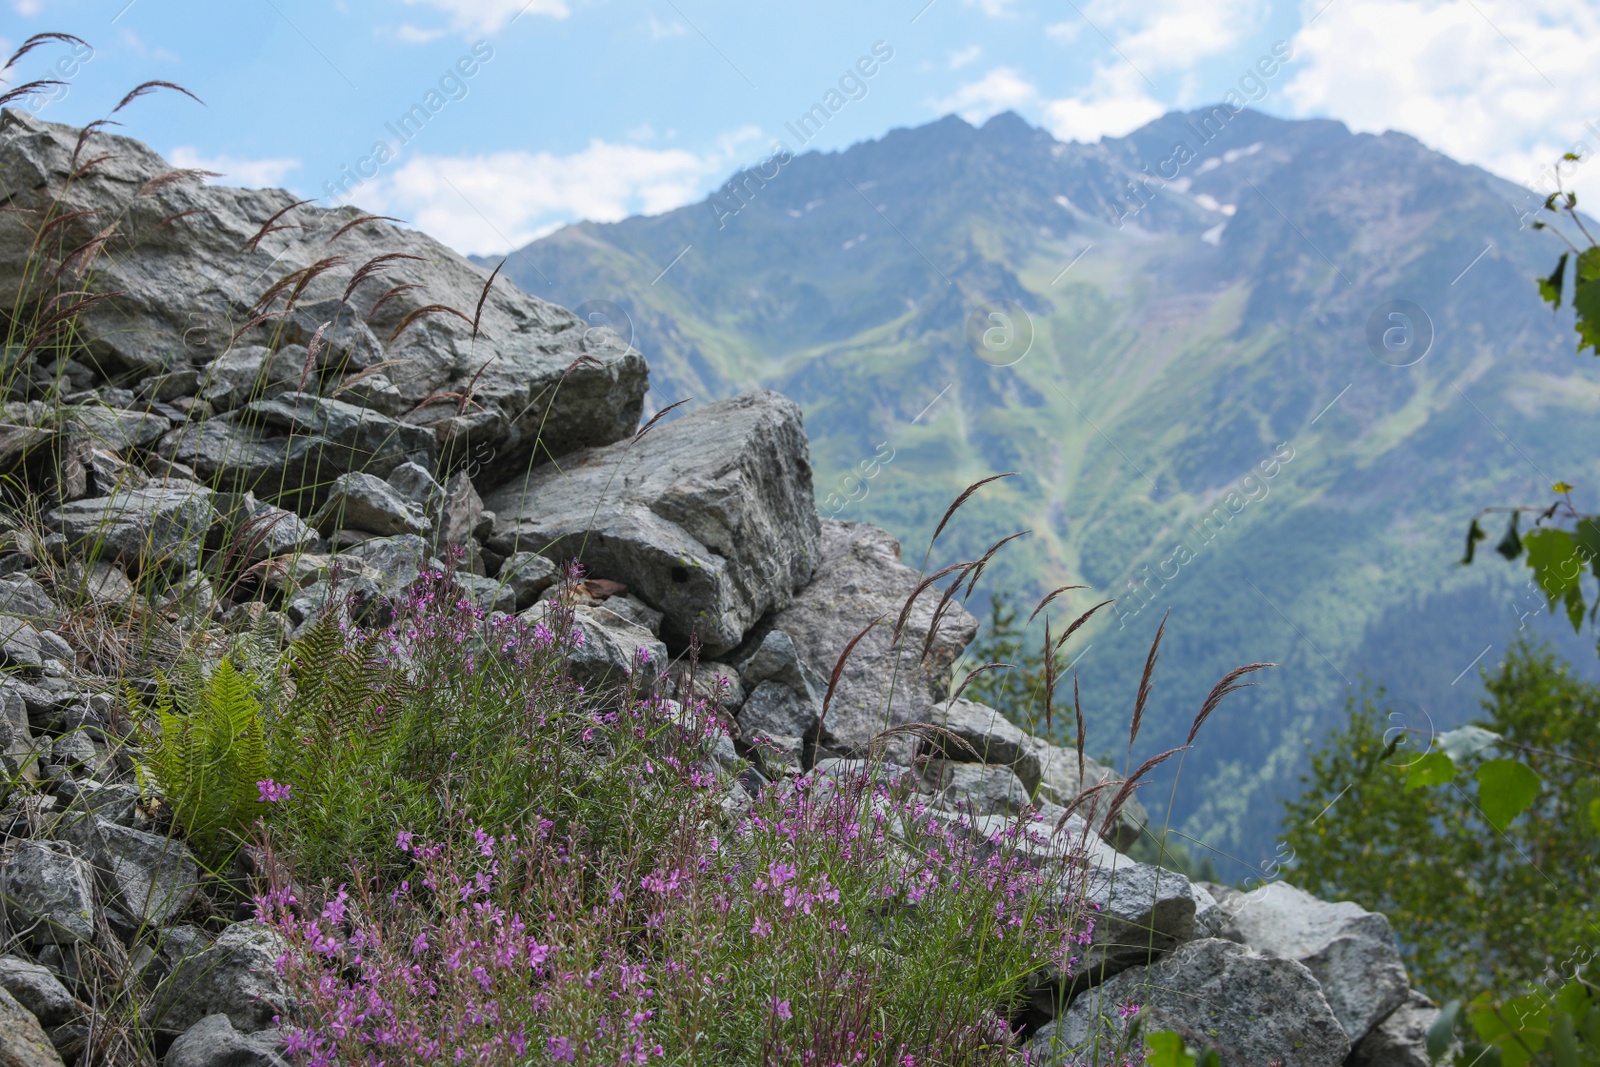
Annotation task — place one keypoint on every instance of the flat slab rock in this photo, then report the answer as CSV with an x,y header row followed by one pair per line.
x,y
709,519
1255,1010
859,577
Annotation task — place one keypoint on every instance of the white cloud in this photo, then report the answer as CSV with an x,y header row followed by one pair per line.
x,y
659,30
1173,35
1491,82
1151,39
406,33
29,7
249,173
1117,102
489,16
995,9
960,57
496,202
1002,89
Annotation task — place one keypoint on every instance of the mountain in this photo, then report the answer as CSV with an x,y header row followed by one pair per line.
x,y
1200,383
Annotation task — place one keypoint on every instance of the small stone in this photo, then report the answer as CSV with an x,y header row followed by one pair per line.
x,y
20,648
527,574
366,502
23,1042
37,990
213,1042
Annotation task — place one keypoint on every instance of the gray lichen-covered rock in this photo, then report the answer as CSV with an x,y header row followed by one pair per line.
x,y
536,374
259,531
775,659
709,518
1140,912
608,651
39,991
527,574
23,1042
976,788
884,683
1401,1039
1350,950
236,975
20,647
157,526
1253,1009
982,735
23,598
779,710
48,891
290,447
213,1042
18,750
361,501
151,878
1060,783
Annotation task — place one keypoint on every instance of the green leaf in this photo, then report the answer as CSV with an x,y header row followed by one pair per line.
x,y
1474,535
1510,545
1557,566
1589,264
1506,789
1594,814
1564,1041
1167,1050
1550,288
1586,302
1442,1032
1433,769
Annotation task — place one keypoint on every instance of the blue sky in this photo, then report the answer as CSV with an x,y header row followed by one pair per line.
x,y
600,108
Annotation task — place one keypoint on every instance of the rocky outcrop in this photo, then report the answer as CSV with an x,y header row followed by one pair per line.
x,y
887,681
518,377
709,518
267,421
1351,951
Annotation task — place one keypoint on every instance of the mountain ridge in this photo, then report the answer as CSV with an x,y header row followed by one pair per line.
x,y
1181,335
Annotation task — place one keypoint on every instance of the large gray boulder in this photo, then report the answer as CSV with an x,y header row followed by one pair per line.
x,y
524,374
709,518
156,526
1139,913
1350,950
886,682
48,893
236,975
213,1042
1253,1009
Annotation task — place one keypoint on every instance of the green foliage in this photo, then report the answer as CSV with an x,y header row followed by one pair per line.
x,y
1488,888
1167,1049
1560,1029
205,750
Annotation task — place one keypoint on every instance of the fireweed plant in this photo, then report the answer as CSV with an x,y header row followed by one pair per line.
x,y
573,879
